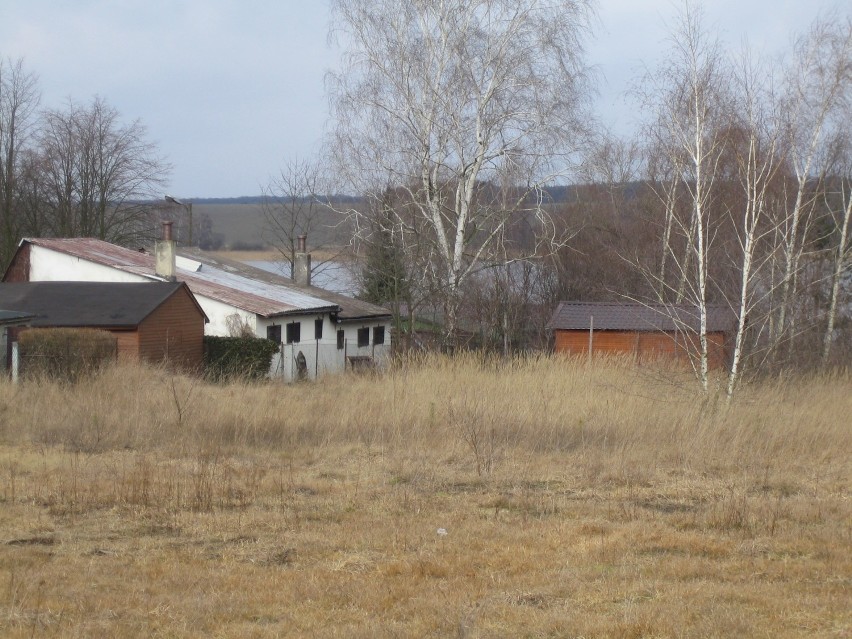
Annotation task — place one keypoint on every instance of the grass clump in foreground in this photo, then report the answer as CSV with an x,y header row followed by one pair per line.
x,y
572,500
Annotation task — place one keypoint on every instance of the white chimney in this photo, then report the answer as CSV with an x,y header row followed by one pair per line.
x,y
302,266
164,254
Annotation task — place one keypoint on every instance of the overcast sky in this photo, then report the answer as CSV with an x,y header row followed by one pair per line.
x,y
230,89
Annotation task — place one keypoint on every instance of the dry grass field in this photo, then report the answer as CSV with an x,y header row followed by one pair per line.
x,y
446,498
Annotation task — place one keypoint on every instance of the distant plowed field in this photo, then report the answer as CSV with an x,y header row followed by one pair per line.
x,y
244,226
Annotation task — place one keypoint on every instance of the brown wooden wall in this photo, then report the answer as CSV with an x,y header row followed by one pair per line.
x,y
644,346
174,332
19,269
127,344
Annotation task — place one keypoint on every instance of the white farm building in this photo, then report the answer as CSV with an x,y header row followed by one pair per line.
x,y
318,331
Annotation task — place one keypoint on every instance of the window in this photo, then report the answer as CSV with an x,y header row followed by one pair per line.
x,y
318,329
274,333
363,337
294,332
341,340
378,335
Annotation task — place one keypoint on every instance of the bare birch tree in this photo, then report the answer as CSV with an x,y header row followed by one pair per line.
x,y
840,210
690,97
441,98
757,163
816,80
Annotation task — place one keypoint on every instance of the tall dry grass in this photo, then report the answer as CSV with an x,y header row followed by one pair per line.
x,y
437,405
579,500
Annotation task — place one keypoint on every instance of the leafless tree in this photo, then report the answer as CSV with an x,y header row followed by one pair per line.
x,y
442,99
840,210
98,174
758,162
293,203
615,164
19,99
817,84
690,98
740,156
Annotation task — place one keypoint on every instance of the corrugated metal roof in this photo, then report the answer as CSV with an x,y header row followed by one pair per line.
x,y
95,304
350,308
617,316
259,296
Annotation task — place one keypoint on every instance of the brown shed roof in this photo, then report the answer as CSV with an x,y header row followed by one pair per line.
x,y
621,316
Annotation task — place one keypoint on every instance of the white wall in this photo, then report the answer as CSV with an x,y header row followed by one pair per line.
x,y
322,355
218,314
51,266
379,352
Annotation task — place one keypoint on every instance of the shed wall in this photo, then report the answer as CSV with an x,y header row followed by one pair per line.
x,y
644,346
19,269
173,332
127,344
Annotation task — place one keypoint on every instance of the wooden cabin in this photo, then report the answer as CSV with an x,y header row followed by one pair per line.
x,y
642,331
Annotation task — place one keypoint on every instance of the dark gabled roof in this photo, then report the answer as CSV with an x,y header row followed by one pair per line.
x,y
13,317
618,316
120,305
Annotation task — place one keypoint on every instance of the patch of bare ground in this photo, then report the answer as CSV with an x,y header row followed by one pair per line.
x,y
467,498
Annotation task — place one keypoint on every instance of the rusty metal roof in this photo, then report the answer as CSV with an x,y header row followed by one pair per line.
x,y
238,285
350,309
620,316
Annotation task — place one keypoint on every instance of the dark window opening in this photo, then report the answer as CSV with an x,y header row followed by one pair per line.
x,y
341,340
378,335
274,333
318,329
294,331
363,337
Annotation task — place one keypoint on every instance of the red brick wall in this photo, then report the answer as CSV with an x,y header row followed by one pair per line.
x,y
643,346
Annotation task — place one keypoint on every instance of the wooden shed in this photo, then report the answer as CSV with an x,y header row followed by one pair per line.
x,y
643,331
152,321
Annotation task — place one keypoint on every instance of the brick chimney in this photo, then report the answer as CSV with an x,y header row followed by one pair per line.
x,y
164,254
302,266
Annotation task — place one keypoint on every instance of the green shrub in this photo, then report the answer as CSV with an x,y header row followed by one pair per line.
x,y
65,353
237,357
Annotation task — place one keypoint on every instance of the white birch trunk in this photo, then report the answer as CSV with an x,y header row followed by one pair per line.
x,y
839,260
